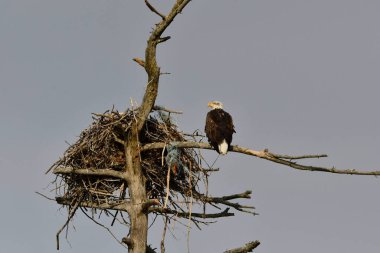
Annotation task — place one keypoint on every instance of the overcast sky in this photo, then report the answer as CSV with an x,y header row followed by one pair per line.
x,y
298,77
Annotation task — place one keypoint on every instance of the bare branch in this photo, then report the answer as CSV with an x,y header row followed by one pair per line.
x,y
225,201
128,241
185,144
288,157
91,172
161,40
140,62
154,10
265,154
211,170
149,203
162,210
248,247
46,197
244,195
176,9
162,244
119,205
161,108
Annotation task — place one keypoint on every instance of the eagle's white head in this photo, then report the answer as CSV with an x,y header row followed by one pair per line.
x,y
215,105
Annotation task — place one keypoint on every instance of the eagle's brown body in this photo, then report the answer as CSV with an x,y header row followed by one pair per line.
x,y
219,129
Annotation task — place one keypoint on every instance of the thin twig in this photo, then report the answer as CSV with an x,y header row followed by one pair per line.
x,y
154,10
162,244
190,208
46,197
211,170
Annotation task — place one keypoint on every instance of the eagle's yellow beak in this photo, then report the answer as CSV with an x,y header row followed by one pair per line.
x,y
209,104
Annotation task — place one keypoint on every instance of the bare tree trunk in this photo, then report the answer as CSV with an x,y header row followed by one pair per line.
x,y
137,240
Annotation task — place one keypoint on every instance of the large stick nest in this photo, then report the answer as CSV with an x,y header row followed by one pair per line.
x,y
101,146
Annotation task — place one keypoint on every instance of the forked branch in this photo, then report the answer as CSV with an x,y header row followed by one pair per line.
x,y
225,200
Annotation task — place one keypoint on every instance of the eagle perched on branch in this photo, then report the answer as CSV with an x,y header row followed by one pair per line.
x,y
219,127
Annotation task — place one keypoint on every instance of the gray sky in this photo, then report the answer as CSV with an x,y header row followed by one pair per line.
x,y
298,77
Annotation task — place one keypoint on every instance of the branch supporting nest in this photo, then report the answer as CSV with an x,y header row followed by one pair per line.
x,y
124,206
91,172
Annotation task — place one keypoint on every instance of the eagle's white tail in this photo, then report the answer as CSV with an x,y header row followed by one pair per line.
x,y
223,147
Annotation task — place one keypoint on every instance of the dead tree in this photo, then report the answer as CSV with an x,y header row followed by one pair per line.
x,y
138,163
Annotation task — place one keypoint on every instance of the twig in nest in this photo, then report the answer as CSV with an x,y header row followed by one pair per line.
x,y
190,210
194,134
167,187
211,170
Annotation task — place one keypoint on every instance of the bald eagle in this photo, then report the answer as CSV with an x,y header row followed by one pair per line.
x,y
219,127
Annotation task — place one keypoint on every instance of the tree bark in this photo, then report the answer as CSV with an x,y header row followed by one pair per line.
x,y
138,232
